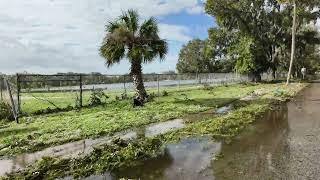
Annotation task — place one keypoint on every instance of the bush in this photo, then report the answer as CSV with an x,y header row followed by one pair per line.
x,y
281,93
207,87
151,97
97,97
5,111
165,93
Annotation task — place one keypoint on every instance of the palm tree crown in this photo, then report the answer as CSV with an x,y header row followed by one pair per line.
x,y
139,43
127,38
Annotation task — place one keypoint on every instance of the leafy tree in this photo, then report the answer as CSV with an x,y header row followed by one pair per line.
x,y
192,58
302,5
139,43
203,56
263,31
218,45
251,22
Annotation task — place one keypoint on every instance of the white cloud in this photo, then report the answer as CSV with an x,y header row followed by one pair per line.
x,y
64,35
195,10
174,32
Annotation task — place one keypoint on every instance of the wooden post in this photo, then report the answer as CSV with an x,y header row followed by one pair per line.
x,y
80,79
13,107
18,94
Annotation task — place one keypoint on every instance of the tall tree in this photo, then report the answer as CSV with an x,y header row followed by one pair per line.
x,y
263,29
192,58
303,5
139,43
251,21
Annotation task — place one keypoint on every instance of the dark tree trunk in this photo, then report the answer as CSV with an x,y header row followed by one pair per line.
x,y
274,74
136,74
255,77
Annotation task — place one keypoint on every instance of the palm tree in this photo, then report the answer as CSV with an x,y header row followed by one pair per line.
x,y
139,43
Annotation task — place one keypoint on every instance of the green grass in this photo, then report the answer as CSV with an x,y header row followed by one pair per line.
x,y
121,155
33,102
37,132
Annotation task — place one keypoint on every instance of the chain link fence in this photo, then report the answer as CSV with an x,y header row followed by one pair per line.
x,y
36,94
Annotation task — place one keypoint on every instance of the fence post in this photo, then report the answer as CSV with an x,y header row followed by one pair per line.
x,y
1,88
179,81
158,86
124,84
13,108
80,79
18,94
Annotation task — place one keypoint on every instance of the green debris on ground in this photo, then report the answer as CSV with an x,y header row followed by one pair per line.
x,y
119,154
37,132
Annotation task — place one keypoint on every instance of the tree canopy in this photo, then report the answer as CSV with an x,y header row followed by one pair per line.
x,y
255,36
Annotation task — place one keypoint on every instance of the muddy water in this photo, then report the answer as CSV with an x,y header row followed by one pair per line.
x,y
284,144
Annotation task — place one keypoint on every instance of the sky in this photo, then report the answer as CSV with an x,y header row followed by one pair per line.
x,y
50,36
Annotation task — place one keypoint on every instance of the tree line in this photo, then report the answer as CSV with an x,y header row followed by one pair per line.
x,y
253,37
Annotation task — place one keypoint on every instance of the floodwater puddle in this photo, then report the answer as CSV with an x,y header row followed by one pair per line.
x,y
209,114
225,109
189,159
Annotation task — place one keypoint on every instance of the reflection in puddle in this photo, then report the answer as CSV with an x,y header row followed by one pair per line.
x,y
259,152
189,159
225,109
83,147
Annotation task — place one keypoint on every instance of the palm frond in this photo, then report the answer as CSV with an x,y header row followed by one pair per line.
x,y
111,26
112,51
156,48
131,20
149,28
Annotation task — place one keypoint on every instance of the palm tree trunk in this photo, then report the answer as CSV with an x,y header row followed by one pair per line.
x,y
293,40
136,74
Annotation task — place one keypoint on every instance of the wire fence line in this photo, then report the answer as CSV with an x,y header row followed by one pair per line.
x,y
38,92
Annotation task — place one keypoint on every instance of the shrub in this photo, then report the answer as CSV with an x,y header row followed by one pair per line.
x,y
165,93
207,87
151,97
281,93
97,97
5,111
